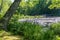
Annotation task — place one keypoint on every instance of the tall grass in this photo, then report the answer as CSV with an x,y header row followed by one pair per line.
x,y
31,31
56,28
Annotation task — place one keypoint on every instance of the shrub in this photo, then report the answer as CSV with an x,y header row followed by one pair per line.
x,y
56,28
30,31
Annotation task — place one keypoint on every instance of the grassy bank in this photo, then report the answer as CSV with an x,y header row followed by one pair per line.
x,y
8,36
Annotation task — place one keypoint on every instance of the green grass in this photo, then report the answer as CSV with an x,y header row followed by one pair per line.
x,y
30,17
31,31
27,16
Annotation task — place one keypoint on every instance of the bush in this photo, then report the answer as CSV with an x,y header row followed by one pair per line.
x,y
56,28
30,31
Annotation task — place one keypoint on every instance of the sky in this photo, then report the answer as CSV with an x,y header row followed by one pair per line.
x,y
12,0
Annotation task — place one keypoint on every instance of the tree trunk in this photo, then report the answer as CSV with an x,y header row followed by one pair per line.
x,y
4,21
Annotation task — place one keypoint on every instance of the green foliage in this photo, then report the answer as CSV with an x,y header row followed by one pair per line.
x,y
57,37
38,7
55,3
30,31
56,28
4,4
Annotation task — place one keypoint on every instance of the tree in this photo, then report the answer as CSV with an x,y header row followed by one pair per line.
x,y
5,19
36,8
26,6
41,7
